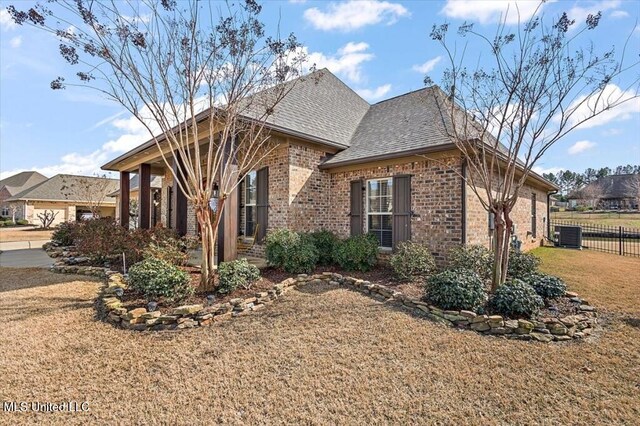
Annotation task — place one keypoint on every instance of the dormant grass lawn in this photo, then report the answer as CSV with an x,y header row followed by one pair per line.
x,y
320,355
24,234
628,220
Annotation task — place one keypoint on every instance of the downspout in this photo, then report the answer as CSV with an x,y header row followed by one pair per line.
x,y
549,194
464,201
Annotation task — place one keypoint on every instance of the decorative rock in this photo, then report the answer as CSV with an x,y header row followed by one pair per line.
x,y
541,337
468,314
500,330
511,324
558,329
495,321
479,318
561,338
151,315
135,313
480,326
222,317
187,309
570,294
167,319
587,308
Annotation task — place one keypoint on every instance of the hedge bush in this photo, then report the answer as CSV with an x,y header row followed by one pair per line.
x,y
237,273
547,286
357,253
522,264
456,289
64,233
157,278
412,261
325,243
473,257
293,252
516,299
22,222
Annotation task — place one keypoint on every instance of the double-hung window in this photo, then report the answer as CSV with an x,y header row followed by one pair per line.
x,y
250,198
379,210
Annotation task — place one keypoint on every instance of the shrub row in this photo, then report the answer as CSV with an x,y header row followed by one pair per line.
x,y
301,252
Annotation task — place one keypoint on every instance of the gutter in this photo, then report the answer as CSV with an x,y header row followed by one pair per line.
x,y
400,154
549,194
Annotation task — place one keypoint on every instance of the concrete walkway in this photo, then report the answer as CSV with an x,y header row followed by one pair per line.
x,y
25,258
19,245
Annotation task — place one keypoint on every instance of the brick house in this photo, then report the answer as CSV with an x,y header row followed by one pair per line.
x,y
13,185
350,167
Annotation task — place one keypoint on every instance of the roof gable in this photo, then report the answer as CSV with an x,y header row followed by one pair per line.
x,y
60,188
21,181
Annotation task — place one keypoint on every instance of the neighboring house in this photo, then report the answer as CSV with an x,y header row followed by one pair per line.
x,y
350,167
615,192
556,201
14,185
155,201
68,196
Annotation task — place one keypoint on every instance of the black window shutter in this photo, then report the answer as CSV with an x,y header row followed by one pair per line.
x,y
262,202
356,207
401,209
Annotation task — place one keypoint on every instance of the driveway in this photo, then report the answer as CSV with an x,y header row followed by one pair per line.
x,y
25,258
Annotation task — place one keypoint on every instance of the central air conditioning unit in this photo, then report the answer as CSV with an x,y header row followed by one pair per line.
x,y
568,236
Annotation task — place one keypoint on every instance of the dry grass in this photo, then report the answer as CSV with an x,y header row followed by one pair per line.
x,y
320,355
631,220
24,234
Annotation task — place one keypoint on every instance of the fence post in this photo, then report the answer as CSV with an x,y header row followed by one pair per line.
x,y
620,240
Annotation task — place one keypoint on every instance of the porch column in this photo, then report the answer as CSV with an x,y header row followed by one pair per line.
x,y
144,196
180,203
124,199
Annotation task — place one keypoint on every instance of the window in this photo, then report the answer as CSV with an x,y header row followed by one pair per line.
x,y
250,197
5,211
379,210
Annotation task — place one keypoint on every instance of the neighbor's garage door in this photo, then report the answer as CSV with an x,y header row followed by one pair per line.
x,y
61,215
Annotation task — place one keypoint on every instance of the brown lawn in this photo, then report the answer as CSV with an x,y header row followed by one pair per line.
x,y
24,234
628,220
319,355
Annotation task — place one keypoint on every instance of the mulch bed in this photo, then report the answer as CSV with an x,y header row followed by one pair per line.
x,y
269,277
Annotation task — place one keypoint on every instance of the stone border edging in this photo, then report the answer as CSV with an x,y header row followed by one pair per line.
x,y
188,316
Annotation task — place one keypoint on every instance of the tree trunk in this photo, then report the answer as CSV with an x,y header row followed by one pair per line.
x,y
502,233
207,238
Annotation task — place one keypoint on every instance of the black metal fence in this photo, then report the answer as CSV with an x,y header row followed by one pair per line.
x,y
609,239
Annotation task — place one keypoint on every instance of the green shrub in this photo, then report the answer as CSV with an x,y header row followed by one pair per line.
x,y
516,299
456,289
293,252
412,261
8,223
547,286
166,245
237,273
357,253
325,243
473,257
522,264
156,278
64,233
22,222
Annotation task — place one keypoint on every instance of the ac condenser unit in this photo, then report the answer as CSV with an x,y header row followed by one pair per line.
x,y
568,236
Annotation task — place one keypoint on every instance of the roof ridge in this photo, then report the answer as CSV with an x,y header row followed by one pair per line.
x,y
404,94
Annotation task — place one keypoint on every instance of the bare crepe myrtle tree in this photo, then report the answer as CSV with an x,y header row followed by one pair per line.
x,y
90,190
529,87
47,217
166,62
632,186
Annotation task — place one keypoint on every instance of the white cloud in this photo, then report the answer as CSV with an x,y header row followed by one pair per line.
x,y
427,66
582,107
580,13
15,42
374,94
352,15
297,1
542,170
491,11
612,132
619,14
6,21
580,146
347,61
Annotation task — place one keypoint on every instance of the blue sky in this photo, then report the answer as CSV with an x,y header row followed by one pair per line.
x,y
380,49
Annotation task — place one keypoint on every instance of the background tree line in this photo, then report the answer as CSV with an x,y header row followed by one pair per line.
x,y
569,181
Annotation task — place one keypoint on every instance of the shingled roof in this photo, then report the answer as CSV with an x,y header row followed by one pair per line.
x,y
611,187
21,181
134,184
61,188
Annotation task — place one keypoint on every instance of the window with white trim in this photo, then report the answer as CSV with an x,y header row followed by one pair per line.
x,y
5,211
379,210
250,197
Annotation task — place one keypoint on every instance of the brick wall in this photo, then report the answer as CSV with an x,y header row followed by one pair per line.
x,y
478,218
436,194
